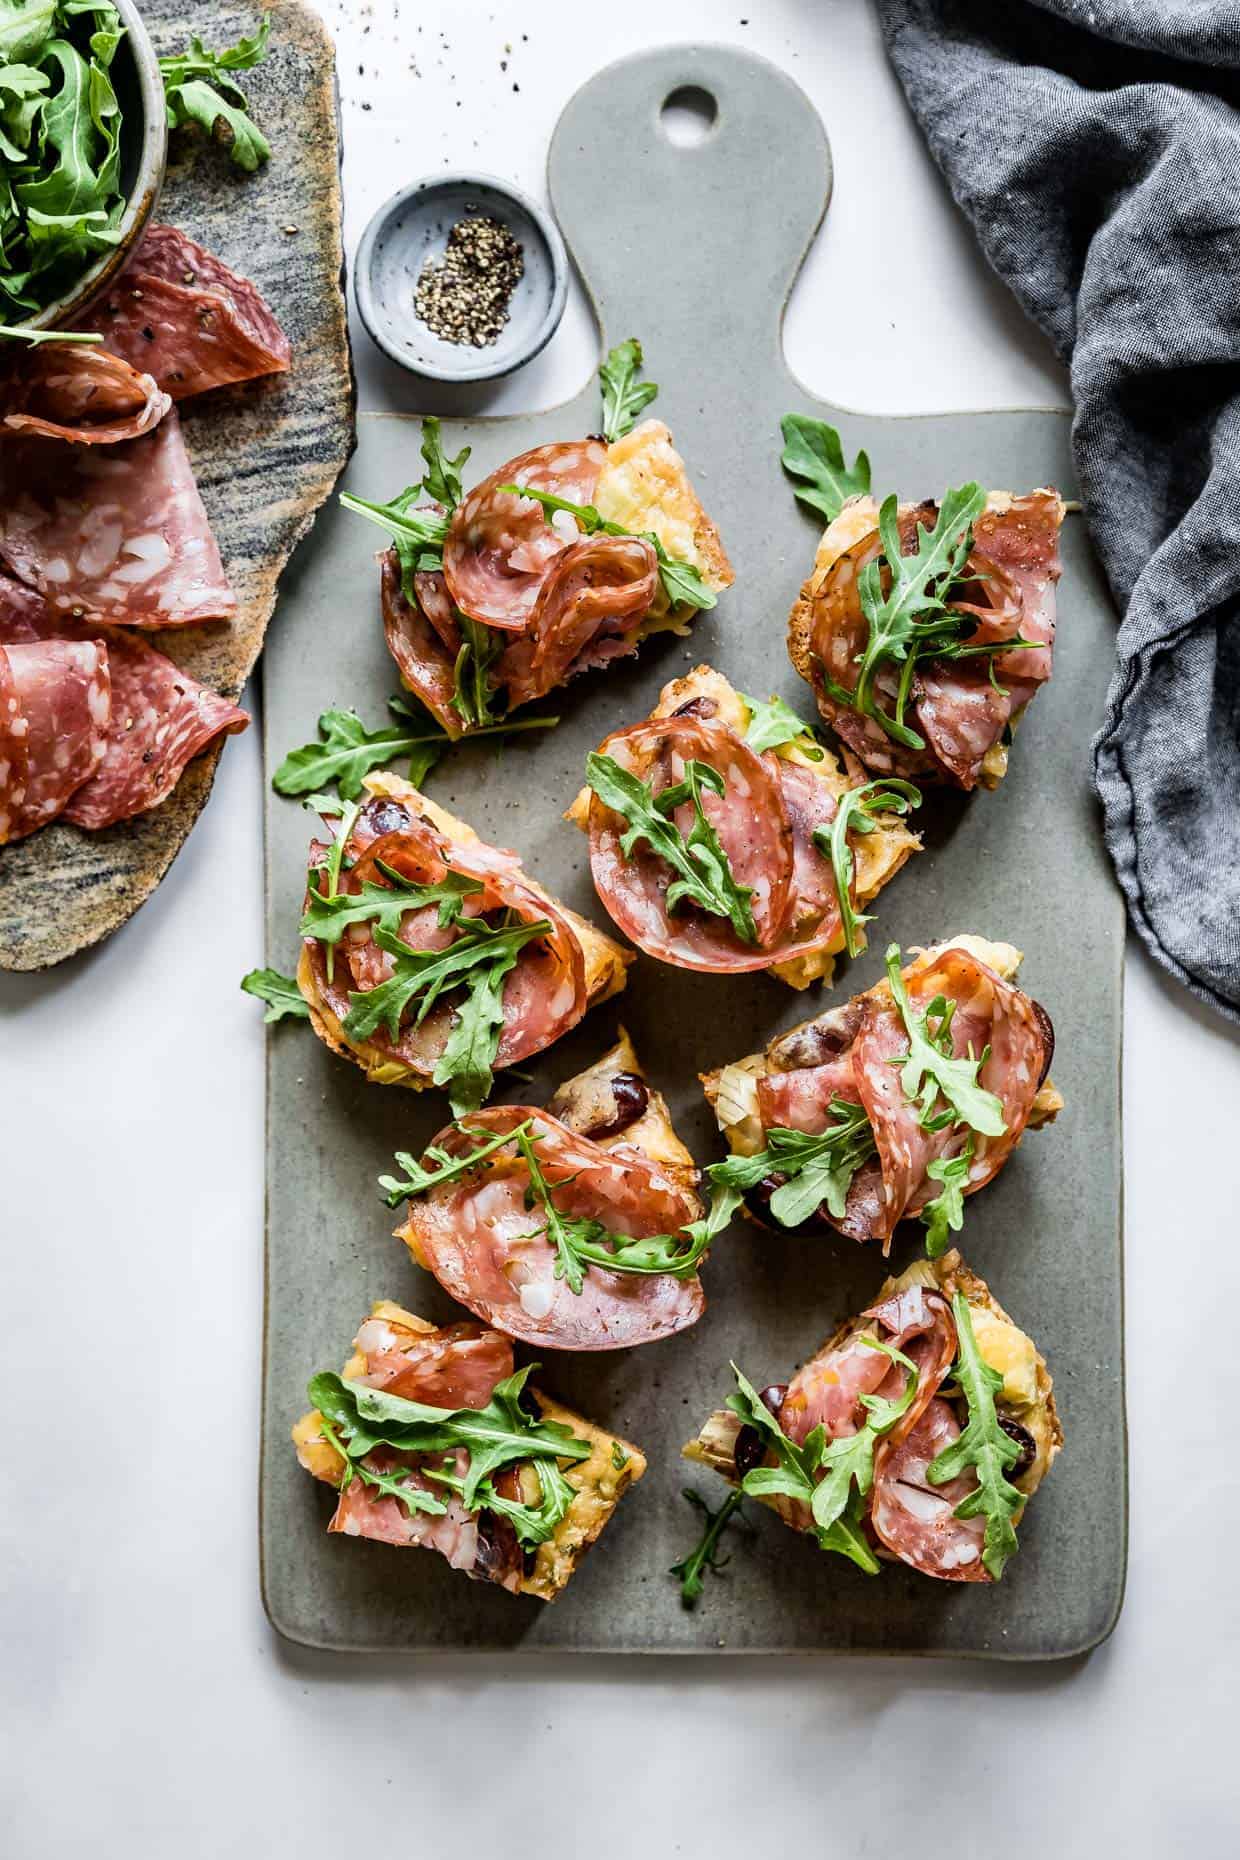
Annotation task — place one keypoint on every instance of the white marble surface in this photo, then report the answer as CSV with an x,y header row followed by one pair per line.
x,y
148,1708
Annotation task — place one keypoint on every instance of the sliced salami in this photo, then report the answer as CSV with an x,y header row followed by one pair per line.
x,y
180,314
589,609
423,661
114,533
74,391
453,1367
500,547
544,994
486,1242
915,1520
55,703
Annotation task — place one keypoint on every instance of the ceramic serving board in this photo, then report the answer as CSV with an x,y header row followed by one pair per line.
x,y
1025,864
265,453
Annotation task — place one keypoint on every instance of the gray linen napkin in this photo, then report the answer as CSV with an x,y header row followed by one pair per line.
x,y
1096,149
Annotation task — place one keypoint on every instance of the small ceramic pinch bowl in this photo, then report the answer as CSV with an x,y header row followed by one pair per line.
x,y
413,226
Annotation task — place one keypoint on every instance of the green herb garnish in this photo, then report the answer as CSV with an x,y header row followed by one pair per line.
x,y
329,913
813,453
419,1180
982,1445
200,88
473,695
682,583
796,1476
349,751
818,1168
705,873
624,396
280,992
417,535
18,332
775,725
848,1463
362,1419
705,1553
929,1069
442,480
858,812
945,1214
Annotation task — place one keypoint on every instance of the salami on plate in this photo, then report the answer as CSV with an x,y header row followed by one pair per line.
x,y
55,702
918,1433
180,314
899,1105
81,394
114,533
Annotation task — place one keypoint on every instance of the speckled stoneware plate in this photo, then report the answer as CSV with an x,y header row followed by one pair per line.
x,y
1025,863
413,226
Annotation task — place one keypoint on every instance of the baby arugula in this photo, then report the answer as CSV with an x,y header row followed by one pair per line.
x,y
705,1553
280,992
812,452
930,1070
815,1168
775,725
348,751
200,88
857,813
624,396
982,1446
357,1420
704,873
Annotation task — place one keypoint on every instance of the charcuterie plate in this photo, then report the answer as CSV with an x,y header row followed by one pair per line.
x,y
265,454
1026,863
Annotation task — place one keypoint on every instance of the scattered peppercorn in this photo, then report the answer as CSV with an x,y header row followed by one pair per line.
x,y
464,296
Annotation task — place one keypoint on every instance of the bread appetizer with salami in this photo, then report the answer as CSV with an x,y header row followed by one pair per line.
x,y
562,560
917,1434
894,1107
925,630
724,837
577,1227
430,1439
430,958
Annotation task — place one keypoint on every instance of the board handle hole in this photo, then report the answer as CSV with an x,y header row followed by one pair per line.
x,y
688,116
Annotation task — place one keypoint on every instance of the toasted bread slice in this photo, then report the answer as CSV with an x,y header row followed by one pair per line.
x,y
857,520
1026,1396
732,1090
599,1482
878,856
606,961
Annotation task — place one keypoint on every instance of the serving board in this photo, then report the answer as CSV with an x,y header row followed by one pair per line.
x,y
265,453
1025,863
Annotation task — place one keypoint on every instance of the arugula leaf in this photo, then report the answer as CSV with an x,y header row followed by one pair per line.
x,y
945,1214
424,974
858,812
501,1434
419,1180
280,992
930,1070
775,724
329,913
465,1065
818,1167
705,1553
349,751
389,1483
705,874
472,692
848,1463
17,332
624,396
25,28
812,451
795,1476
442,482
418,535
982,1445
681,581
200,88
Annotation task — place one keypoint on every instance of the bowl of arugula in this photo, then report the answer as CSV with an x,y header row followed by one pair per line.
x,y
83,142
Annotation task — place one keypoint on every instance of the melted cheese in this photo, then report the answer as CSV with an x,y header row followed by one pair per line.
x,y
644,486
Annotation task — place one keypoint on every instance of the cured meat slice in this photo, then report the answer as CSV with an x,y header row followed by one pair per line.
x,y
915,1520
180,314
454,1367
544,994
54,709
752,828
499,547
423,661
115,533
1008,589
488,1246
589,609
74,391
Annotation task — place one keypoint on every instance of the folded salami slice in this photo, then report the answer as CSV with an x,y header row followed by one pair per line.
x,y
486,1238
54,710
589,610
501,549
851,1061
423,660
77,392
160,718
962,1363
180,314
114,533
964,708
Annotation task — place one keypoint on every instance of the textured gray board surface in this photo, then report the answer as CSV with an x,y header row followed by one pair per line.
x,y
734,217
